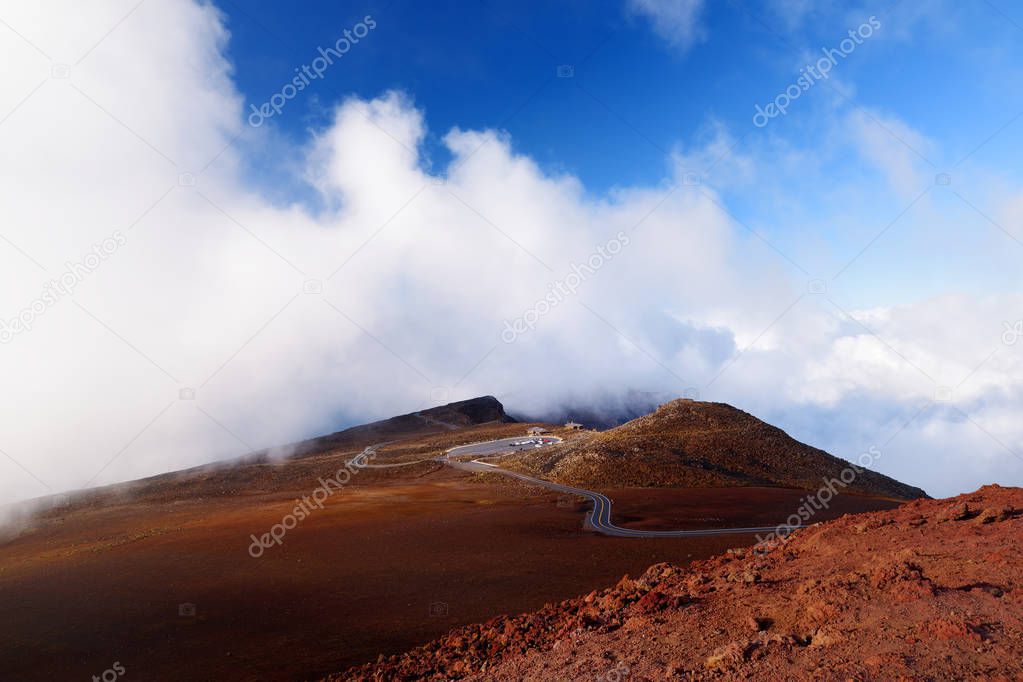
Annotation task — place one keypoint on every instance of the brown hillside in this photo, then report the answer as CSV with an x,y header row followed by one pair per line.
x,y
687,443
437,419
932,590
414,436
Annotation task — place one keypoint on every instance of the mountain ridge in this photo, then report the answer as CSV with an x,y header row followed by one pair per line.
x,y
688,443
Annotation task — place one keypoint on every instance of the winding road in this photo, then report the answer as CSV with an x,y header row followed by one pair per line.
x,y
598,518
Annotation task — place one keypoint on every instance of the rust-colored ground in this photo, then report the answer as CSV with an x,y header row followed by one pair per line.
x,y
931,590
392,562
660,508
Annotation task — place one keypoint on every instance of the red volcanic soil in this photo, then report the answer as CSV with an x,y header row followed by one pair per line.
x,y
395,560
931,590
398,558
671,508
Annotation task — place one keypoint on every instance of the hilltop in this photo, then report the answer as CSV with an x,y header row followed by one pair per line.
x,y
687,443
472,412
417,434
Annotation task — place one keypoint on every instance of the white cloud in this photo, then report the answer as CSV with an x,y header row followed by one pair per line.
x,y
676,21
895,149
418,278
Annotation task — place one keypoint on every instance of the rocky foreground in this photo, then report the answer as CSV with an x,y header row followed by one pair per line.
x,y
930,590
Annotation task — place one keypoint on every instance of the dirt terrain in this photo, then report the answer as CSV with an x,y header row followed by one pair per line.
x,y
932,590
388,565
688,443
160,576
410,437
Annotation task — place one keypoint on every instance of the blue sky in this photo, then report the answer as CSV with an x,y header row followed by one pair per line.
x,y
945,68
842,188
944,71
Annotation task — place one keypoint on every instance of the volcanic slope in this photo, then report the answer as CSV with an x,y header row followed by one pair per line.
x,y
274,469
687,443
931,590
452,416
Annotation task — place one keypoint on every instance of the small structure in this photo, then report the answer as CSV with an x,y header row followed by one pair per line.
x,y
573,426
536,431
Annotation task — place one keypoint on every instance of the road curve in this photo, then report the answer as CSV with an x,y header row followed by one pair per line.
x,y
599,516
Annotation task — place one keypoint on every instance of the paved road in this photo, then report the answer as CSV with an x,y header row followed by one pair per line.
x,y
497,448
598,518
492,448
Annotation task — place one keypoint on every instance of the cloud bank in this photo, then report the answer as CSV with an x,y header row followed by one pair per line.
x,y
224,322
